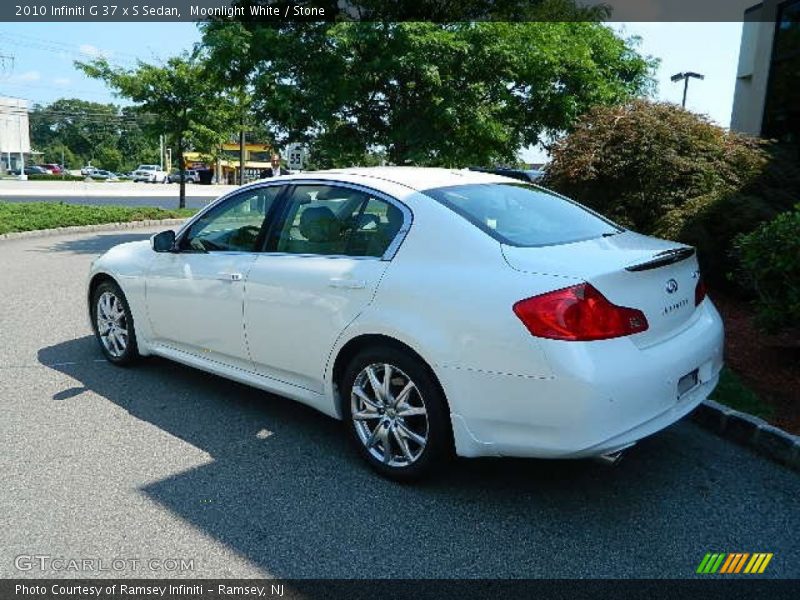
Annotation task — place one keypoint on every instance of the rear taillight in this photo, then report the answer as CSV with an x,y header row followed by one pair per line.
x,y
699,291
578,313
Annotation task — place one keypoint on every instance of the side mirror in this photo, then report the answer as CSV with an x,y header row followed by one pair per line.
x,y
163,241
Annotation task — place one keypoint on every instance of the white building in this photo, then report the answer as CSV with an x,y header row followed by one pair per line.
x,y
15,137
767,97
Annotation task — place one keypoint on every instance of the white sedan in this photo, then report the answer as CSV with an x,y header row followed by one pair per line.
x,y
435,312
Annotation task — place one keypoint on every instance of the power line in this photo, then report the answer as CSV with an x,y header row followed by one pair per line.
x,y
63,49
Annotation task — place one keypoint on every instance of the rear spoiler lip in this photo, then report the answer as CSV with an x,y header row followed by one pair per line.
x,y
662,259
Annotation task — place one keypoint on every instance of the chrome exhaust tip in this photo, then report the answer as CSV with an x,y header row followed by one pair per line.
x,y
610,459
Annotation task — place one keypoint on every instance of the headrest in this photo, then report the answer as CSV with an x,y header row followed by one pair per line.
x,y
319,224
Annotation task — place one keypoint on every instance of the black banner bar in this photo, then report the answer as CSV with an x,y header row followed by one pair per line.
x,y
283,11
711,588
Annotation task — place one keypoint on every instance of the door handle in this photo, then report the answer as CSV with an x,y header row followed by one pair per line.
x,y
348,284
230,276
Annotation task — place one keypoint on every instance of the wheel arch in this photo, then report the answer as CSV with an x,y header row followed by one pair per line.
x,y
367,340
94,282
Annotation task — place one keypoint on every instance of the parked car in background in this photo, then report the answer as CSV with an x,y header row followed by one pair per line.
x,y
54,168
191,176
87,170
433,311
103,174
149,174
30,170
528,175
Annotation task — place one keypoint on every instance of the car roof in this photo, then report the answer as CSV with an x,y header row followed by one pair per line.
x,y
415,178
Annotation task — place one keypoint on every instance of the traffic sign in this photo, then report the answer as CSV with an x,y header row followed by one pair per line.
x,y
296,157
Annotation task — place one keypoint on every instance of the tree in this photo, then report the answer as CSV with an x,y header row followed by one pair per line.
x,y
448,94
79,129
58,153
108,157
230,66
177,94
79,125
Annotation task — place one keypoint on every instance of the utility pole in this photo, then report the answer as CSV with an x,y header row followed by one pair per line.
x,y
241,153
685,76
6,64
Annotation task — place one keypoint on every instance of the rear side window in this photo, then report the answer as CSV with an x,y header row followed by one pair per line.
x,y
522,215
337,221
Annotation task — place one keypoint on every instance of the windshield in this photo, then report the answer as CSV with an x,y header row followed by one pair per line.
x,y
523,215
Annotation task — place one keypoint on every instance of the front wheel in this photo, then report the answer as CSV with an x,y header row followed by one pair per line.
x,y
396,413
113,324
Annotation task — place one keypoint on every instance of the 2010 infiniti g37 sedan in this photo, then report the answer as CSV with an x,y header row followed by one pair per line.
x,y
435,312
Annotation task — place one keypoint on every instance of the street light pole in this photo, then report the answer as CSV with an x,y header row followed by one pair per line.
x,y
685,76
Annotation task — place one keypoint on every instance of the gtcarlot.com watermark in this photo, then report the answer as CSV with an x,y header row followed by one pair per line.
x,y
45,563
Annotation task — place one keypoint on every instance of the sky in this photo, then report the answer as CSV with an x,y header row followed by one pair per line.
x,y
37,59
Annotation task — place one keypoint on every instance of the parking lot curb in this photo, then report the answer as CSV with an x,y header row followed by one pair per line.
x,y
752,432
88,228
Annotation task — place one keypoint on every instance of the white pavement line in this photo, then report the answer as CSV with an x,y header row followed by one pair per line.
x,y
58,364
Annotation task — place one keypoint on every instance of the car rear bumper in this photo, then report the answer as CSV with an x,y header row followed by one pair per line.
x,y
599,397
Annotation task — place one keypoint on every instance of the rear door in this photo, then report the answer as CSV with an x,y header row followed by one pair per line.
x,y
324,259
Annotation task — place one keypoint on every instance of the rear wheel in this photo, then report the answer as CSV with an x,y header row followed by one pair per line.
x,y
113,324
396,413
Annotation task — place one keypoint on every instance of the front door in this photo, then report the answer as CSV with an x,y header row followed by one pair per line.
x,y
322,265
195,295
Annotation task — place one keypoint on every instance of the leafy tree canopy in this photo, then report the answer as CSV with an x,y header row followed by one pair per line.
x,y
665,171
75,131
428,93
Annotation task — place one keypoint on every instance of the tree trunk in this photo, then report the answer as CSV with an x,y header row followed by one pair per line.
x,y
181,174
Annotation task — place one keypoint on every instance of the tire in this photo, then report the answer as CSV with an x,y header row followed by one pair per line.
x,y
113,324
419,414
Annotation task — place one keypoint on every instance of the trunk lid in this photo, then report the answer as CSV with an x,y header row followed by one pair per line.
x,y
655,276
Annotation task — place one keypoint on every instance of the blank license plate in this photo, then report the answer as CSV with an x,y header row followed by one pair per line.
x,y
687,382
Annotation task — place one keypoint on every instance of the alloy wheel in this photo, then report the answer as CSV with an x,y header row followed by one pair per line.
x,y
389,415
112,324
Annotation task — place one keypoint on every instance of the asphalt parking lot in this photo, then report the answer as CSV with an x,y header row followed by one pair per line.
x,y
164,462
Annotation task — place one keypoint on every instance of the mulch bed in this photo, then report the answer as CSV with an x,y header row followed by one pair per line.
x,y
768,364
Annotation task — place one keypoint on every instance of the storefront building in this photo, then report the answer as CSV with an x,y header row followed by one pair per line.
x,y
767,96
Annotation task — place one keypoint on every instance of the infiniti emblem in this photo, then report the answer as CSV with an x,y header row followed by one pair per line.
x,y
672,286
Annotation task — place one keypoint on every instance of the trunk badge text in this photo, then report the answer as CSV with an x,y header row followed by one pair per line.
x,y
673,307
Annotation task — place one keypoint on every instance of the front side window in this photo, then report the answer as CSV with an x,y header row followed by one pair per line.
x,y
337,221
234,225
522,215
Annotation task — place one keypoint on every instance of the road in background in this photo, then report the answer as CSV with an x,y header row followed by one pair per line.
x,y
163,461
109,193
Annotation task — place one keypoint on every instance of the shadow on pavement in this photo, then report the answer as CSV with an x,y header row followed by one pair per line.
x,y
287,492
96,244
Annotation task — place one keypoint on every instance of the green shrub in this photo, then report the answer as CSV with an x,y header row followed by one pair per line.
x,y
664,171
731,391
30,216
43,177
770,265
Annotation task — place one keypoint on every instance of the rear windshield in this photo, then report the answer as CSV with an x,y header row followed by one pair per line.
x,y
523,215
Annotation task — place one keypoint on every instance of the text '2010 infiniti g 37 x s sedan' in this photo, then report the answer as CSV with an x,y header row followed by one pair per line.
x,y
435,312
